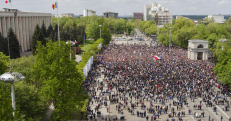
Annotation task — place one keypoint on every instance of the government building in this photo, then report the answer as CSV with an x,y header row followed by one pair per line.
x,y
23,24
155,12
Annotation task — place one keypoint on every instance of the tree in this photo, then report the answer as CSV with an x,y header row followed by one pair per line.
x,y
37,36
3,63
223,68
60,77
13,45
5,103
29,102
212,38
106,35
43,29
93,31
3,44
142,19
50,32
73,35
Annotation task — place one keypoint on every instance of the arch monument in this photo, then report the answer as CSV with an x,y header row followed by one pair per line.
x,y
198,49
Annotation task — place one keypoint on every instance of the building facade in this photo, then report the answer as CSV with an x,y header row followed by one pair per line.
x,y
68,15
23,24
217,18
110,14
155,12
138,15
87,12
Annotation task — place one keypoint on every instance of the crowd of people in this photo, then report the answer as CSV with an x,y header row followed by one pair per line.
x,y
153,74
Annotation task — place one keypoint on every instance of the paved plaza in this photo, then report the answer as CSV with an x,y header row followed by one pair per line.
x,y
125,109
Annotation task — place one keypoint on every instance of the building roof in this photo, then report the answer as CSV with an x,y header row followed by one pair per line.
x,y
109,12
197,40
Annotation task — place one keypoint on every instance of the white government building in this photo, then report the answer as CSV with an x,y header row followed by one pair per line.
x,y
23,24
87,12
155,12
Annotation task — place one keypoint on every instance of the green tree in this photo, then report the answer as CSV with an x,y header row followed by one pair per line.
x,y
3,63
60,77
29,102
74,32
5,103
106,35
93,31
13,45
50,32
43,29
37,36
223,68
3,44
212,38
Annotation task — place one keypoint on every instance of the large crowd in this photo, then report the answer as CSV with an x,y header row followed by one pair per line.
x,y
155,74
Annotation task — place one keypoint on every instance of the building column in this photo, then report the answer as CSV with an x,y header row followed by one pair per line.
x,y
21,33
46,22
27,32
17,29
24,33
12,23
30,31
4,30
8,24
1,25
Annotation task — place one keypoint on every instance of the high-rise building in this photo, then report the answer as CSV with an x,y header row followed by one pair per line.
x,y
138,15
155,12
87,12
68,15
23,24
110,14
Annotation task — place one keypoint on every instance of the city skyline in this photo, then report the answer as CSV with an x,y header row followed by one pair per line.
x,y
177,7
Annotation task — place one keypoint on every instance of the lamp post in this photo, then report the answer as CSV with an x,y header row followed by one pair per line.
x,y
71,44
11,77
170,39
223,40
100,30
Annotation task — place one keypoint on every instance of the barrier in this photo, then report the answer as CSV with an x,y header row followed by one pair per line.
x,y
88,66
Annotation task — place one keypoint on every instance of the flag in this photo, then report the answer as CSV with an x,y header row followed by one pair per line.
x,y
76,42
8,1
54,5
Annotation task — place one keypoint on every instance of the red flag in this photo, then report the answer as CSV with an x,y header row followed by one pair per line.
x,y
53,6
76,42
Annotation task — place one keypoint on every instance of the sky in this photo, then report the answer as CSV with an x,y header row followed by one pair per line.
x,y
176,7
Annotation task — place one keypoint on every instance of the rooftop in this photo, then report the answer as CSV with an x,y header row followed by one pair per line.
x,y
109,12
198,40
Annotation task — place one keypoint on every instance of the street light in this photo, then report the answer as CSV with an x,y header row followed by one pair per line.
x,y
11,77
100,30
71,43
223,40
170,39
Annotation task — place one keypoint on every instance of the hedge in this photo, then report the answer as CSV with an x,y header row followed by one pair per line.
x,y
92,52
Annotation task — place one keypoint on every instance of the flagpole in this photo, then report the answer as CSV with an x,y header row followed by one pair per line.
x,y
58,22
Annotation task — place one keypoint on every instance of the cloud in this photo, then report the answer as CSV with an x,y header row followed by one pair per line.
x,y
176,7
223,2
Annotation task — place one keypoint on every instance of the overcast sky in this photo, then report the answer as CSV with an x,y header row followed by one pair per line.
x,y
176,7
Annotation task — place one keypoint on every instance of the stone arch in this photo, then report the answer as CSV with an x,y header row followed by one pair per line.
x,y
200,46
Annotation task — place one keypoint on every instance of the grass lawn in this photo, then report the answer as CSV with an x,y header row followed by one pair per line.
x,y
88,44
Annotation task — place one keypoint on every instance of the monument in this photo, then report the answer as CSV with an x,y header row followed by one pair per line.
x,y
198,49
